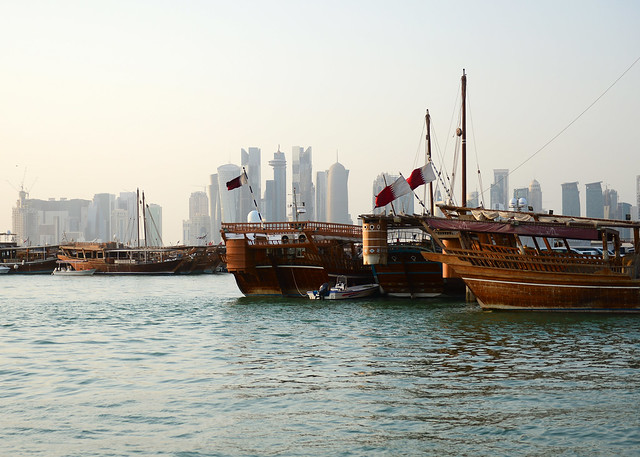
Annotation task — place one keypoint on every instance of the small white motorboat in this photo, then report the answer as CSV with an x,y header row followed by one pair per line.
x,y
69,271
341,291
4,269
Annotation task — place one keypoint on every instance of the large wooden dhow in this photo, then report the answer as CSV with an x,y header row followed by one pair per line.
x,y
116,258
526,261
290,258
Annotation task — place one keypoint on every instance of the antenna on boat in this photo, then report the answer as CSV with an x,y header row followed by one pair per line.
x,y
295,209
251,191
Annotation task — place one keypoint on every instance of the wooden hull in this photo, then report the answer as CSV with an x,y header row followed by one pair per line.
x,y
513,289
408,274
201,261
45,266
290,258
289,280
103,267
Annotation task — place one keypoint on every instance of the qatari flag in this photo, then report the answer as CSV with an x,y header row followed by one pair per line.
x,y
237,182
421,176
399,188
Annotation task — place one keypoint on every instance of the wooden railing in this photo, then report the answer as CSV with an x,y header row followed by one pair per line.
x,y
512,258
324,228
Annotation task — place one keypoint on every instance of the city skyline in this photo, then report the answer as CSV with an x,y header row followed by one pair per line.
x,y
108,216
157,97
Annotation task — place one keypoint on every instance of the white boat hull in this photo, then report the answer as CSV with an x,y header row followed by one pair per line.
x,y
365,290
74,272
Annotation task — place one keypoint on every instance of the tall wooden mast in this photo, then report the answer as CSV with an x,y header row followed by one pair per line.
x,y
428,120
144,220
464,138
138,217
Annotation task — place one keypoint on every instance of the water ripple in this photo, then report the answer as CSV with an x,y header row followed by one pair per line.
x,y
185,367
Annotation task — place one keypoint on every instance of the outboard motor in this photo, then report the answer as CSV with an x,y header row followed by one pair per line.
x,y
324,290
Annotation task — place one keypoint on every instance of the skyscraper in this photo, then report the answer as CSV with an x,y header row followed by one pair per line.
x,y
251,162
214,207
302,181
594,199
154,229
338,194
230,209
535,196
321,196
570,199
610,198
500,189
24,219
637,192
278,190
402,205
196,230
99,223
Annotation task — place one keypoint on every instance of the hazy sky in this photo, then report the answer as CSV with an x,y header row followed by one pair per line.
x,y
109,96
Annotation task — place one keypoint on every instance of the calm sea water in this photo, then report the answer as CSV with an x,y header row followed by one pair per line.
x,y
185,366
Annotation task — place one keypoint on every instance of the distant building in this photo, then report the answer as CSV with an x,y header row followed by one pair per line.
x,y
154,225
500,189
570,199
535,196
302,181
610,198
23,219
521,192
48,222
638,191
105,218
196,230
338,194
230,208
269,201
321,196
624,211
123,218
276,193
250,160
214,208
99,222
403,205
594,200
473,199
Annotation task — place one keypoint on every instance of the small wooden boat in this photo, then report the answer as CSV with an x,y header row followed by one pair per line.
x,y
341,291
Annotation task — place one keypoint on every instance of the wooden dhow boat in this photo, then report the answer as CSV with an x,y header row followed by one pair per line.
x,y
116,258
27,259
290,258
514,260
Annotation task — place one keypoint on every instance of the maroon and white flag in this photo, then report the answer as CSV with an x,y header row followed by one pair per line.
x,y
399,188
237,182
421,176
